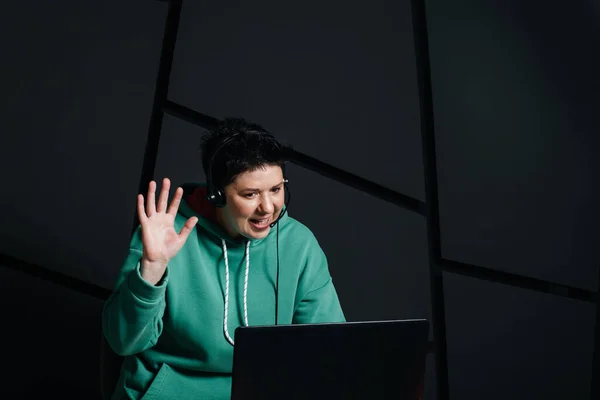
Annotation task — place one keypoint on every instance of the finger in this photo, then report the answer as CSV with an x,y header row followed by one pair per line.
x,y
187,228
140,209
175,202
150,201
164,196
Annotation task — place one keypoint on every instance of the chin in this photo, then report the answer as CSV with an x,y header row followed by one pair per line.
x,y
257,235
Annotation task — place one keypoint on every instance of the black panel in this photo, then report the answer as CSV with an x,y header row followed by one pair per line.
x,y
336,79
515,99
508,343
50,340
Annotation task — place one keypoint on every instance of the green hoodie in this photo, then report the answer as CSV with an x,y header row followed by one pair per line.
x,y
172,334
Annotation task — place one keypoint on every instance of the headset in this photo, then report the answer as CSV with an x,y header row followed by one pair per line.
x,y
216,196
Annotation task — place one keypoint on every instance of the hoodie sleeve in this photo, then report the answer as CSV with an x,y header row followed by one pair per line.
x,y
317,300
132,315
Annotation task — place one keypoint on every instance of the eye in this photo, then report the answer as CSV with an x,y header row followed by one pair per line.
x,y
277,189
249,195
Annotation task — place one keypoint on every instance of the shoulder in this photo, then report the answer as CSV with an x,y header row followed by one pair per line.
x,y
297,232
300,240
307,252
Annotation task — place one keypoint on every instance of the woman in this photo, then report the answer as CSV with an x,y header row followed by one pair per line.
x,y
220,255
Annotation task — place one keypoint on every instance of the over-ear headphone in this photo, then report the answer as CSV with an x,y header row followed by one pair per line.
x,y
215,195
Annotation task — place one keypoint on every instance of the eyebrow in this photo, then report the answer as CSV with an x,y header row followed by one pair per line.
x,y
258,190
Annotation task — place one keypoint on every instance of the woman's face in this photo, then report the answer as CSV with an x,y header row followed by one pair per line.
x,y
253,201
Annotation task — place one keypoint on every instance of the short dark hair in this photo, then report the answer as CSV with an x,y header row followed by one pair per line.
x,y
253,147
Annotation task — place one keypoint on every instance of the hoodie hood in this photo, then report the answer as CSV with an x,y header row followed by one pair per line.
x,y
195,204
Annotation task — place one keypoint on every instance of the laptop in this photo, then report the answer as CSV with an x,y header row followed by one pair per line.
x,y
350,360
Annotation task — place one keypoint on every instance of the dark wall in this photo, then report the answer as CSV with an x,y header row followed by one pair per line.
x,y
515,93
50,339
77,82
513,89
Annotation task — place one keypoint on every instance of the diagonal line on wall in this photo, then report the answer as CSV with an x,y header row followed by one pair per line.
x,y
521,281
310,163
55,277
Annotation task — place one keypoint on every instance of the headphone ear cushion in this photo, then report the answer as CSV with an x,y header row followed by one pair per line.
x,y
216,198
219,199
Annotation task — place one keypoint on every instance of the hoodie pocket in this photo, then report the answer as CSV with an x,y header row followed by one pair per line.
x,y
158,383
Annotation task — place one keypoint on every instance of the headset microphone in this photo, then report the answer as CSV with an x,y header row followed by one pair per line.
x,y
272,224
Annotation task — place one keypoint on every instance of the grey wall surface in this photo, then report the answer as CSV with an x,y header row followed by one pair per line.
x,y
513,86
50,340
335,79
510,343
77,83
515,97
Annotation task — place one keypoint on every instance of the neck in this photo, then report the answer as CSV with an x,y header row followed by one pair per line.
x,y
223,224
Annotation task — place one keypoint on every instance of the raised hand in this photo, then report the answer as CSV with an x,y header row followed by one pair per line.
x,y
160,240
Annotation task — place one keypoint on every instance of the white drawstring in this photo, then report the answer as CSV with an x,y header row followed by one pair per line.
x,y
225,329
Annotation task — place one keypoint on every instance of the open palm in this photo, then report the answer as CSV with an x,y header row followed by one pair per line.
x,y
160,240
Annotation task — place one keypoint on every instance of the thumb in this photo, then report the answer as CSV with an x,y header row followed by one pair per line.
x,y
187,228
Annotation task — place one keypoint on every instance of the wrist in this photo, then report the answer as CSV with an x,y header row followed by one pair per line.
x,y
152,271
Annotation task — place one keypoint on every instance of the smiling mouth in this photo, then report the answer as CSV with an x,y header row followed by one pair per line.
x,y
260,223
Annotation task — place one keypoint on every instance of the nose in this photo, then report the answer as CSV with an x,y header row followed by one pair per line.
x,y
266,205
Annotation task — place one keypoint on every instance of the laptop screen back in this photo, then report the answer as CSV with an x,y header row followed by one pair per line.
x,y
353,360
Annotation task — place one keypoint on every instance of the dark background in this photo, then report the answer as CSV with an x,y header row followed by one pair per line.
x,y
515,98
